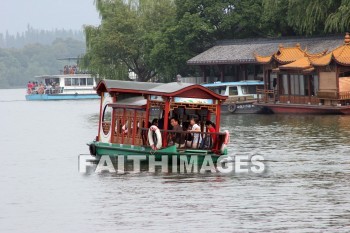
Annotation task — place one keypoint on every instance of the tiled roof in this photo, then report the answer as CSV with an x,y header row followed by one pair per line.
x,y
263,59
242,51
289,54
321,61
301,63
342,54
296,58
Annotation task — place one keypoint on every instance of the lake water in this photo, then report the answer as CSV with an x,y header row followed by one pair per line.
x,y
306,187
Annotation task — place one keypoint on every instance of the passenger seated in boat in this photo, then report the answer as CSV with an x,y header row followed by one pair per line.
x,y
209,140
125,128
155,122
186,127
177,138
30,87
195,130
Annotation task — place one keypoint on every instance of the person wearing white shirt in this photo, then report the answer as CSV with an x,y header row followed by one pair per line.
x,y
196,130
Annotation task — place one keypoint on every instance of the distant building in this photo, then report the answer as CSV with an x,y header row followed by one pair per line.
x,y
316,76
234,60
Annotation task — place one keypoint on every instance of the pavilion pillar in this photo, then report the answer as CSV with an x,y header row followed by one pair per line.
x,y
204,74
309,86
278,83
264,78
289,87
221,68
337,80
245,72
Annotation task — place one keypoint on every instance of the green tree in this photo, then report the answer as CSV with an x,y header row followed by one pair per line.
x,y
120,43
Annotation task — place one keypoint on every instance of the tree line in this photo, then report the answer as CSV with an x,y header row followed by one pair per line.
x,y
32,35
20,65
154,39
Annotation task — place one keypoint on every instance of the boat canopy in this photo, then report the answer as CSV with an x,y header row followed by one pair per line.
x,y
132,102
241,83
174,89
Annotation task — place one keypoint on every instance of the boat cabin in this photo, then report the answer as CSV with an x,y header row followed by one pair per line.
x,y
128,108
237,91
68,84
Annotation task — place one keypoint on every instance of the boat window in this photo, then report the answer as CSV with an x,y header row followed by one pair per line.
x,y
107,114
233,91
90,81
75,82
249,89
68,82
106,119
50,81
82,81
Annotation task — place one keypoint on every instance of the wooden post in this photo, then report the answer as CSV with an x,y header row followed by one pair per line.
x,y
148,107
114,98
217,115
217,120
134,130
100,119
123,133
166,120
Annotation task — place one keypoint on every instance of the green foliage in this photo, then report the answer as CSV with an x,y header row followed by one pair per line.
x,y
156,38
120,43
339,20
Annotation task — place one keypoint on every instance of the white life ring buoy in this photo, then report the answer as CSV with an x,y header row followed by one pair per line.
x,y
227,137
155,129
232,108
223,148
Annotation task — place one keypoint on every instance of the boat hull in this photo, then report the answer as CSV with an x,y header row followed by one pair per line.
x,y
305,109
241,108
43,97
114,150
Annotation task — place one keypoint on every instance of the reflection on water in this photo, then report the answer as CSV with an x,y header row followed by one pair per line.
x,y
306,187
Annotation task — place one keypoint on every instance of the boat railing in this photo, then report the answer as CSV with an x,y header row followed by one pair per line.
x,y
344,95
54,90
187,140
265,95
42,90
327,94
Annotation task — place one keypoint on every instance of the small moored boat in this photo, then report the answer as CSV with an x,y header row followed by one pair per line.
x,y
242,95
127,109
